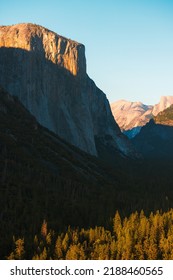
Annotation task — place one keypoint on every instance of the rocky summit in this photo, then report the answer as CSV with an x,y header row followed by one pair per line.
x,y
131,116
47,72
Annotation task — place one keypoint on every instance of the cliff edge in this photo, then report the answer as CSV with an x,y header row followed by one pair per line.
x,y
47,72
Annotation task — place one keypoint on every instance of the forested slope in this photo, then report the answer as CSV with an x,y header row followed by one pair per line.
x,y
44,178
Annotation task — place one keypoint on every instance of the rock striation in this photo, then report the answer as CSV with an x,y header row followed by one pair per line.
x,y
47,72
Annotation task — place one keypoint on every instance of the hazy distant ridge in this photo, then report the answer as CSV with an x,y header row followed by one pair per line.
x,y
131,116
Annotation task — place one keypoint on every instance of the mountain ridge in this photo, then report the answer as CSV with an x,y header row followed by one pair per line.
x,y
131,116
154,141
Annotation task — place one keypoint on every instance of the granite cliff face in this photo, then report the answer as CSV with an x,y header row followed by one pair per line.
x,y
57,49
47,72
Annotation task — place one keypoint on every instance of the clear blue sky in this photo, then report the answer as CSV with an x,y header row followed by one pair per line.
x,y
129,43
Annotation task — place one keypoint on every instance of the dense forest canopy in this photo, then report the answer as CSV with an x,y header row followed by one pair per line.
x,y
134,238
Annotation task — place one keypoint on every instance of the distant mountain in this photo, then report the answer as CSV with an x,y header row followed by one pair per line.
x,y
165,117
47,72
165,102
155,139
131,116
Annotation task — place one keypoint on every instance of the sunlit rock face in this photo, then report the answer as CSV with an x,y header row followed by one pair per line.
x,y
165,102
57,49
131,116
47,72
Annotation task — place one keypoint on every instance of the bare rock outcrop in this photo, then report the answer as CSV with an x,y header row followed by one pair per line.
x,y
59,50
132,116
47,72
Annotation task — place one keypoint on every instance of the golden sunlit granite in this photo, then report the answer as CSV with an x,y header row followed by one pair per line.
x,y
59,50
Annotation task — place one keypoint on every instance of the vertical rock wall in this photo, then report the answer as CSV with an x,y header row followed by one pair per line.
x,y
48,74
